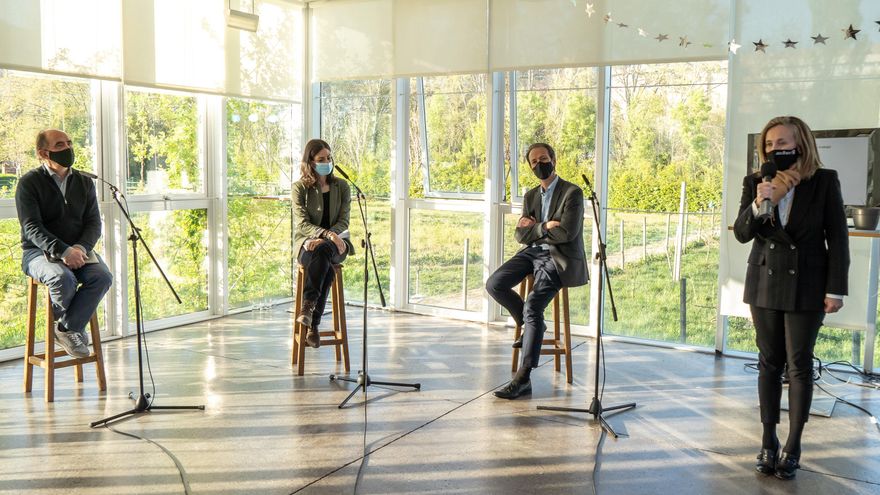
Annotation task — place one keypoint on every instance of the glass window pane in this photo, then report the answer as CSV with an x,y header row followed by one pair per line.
x,y
455,115
667,129
163,151
356,122
445,259
178,239
557,107
259,154
30,103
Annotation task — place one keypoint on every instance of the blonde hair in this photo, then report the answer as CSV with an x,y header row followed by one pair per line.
x,y
808,162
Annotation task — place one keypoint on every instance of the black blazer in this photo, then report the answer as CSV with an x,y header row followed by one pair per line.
x,y
566,241
792,269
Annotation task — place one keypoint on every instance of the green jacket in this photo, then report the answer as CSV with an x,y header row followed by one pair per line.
x,y
307,212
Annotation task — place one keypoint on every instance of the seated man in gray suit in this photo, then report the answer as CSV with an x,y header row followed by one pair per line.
x,y
551,230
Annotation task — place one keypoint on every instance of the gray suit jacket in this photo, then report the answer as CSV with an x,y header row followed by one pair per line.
x,y
567,240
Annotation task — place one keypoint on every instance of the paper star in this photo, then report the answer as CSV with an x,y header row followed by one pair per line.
x,y
850,33
819,39
760,46
642,33
733,46
878,23
661,37
683,41
590,10
622,25
790,44
607,18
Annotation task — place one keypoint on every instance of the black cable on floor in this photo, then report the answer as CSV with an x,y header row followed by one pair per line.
x,y
180,470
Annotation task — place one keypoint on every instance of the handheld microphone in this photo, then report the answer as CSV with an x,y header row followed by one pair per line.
x,y
765,210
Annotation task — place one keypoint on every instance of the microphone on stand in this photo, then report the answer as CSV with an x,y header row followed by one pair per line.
x,y
95,177
765,209
346,177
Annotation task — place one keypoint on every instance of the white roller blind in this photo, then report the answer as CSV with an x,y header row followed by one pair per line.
x,y
356,39
185,44
352,39
267,63
553,33
440,36
61,36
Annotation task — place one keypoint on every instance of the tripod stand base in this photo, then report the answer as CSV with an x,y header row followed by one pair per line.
x,y
141,405
596,410
363,381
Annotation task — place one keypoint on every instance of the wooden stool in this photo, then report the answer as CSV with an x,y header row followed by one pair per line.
x,y
556,347
338,337
48,359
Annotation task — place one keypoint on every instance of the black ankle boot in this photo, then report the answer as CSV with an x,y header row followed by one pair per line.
x,y
305,313
313,338
787,466
767,460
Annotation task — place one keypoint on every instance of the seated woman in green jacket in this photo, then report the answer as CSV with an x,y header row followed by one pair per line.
x,y
321,207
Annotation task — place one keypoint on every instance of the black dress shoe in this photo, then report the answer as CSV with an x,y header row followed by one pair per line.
x,y
513,390
767,460
517,344
786,466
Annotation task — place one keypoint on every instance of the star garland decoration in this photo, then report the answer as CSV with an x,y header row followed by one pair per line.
x,y
684,41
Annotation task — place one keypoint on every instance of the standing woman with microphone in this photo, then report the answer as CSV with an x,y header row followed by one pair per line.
x,y
797,272
321,208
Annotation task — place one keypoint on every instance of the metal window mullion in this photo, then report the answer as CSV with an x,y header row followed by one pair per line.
x,y
216,188
493,217
514,141
423,134
603,144
399,273
111,142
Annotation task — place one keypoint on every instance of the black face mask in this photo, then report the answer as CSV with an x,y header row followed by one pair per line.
x,y
64,158
784,159
543,170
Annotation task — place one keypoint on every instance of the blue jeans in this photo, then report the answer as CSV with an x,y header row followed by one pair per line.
x,y
75,294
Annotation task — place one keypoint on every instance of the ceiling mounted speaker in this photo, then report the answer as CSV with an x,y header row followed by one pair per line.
x,y
242,20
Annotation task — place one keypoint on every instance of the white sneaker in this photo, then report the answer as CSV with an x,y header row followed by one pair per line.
x,y
72,342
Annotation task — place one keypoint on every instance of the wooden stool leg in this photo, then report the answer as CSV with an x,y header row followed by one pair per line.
x,y
517,331
568,373
339,296
98,352
31,337
335,317
556,358
50,351
294,354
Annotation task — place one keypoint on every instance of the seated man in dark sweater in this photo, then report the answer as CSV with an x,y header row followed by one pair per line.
x,y
60,224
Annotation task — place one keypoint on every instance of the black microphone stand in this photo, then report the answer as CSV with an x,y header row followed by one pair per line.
x,y
596,408
143,402
363,379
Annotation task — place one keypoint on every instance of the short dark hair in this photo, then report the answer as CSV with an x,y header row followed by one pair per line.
x,y
550,151
42,141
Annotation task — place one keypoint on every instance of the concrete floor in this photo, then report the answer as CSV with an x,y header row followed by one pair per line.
x,y
266,430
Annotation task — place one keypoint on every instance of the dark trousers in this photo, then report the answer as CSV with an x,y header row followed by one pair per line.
x,y
318,265
529,313
785,338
